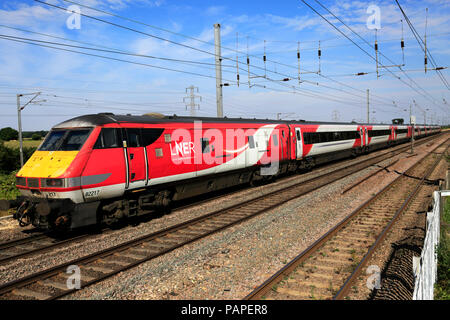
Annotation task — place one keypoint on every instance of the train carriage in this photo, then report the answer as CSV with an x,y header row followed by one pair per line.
x,y
102,168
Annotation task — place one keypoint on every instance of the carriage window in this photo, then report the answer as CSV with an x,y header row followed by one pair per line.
x,y
251,142
320,137
108,138
149,136
205,145
298,135
377,133
134,138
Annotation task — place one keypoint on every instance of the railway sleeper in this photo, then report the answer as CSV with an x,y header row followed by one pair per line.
x,y
30,294
53,284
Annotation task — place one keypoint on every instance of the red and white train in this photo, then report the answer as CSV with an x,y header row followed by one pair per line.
x,y
105,167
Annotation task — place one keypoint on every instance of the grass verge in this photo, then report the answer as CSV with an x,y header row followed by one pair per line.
x,y
442,286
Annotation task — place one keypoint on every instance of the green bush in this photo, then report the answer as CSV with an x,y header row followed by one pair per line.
x,y
442,287
8,133
8,188
10,158
36,136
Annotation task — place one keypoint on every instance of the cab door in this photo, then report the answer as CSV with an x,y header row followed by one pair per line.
x,y
299,144
136,158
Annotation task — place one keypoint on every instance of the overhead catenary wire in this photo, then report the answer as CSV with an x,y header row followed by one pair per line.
x,y
425,49
145,33
16,39
425,94
314,48
272,80
115,51
115,59
157,37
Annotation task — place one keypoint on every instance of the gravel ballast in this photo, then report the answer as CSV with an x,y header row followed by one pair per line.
x,y
229,264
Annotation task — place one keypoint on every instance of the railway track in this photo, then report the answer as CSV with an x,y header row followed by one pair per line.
x,y
37,244
329,267
51,283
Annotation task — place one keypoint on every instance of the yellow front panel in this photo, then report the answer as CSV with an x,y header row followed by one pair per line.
x,y
47,164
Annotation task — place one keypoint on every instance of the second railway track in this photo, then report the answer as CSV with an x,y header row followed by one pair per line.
x,y
40,243
327,269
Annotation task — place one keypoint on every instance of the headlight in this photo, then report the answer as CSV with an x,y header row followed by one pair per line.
x,y
21,181
53,183
33,182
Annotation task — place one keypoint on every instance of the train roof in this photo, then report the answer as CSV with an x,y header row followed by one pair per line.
x,y
108,118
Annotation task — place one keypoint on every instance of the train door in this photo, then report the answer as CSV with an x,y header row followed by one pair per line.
x,y
251,156
362,135
136,157
278,148
366,136
299,145
284,141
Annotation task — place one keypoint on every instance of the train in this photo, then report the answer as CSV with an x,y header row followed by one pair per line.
x,y
103,168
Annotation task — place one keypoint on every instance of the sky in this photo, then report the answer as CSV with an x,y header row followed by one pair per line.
x,y
140,56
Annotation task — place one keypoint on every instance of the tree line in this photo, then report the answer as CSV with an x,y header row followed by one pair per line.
x,y
8,134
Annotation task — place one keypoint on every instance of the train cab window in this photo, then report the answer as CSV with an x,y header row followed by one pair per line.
x,y
65,140
149,136
53,140
205,145
75,140
251,142
108,138
134,138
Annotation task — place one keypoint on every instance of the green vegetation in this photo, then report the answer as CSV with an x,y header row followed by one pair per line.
x,y
8,133
8,188
10,158
442,286
27,143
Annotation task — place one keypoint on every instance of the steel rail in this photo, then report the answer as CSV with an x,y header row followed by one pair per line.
x,y
7,257
342,293
261,290
254,205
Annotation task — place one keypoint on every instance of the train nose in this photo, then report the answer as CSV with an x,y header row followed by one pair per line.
x,y
47,164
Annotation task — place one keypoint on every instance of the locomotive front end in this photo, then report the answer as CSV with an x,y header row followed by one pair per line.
x,y
47,182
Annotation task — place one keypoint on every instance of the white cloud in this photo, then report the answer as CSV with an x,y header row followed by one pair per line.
x,y
215,10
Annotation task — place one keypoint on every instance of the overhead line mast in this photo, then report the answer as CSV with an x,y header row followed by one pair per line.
x,y
219,95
